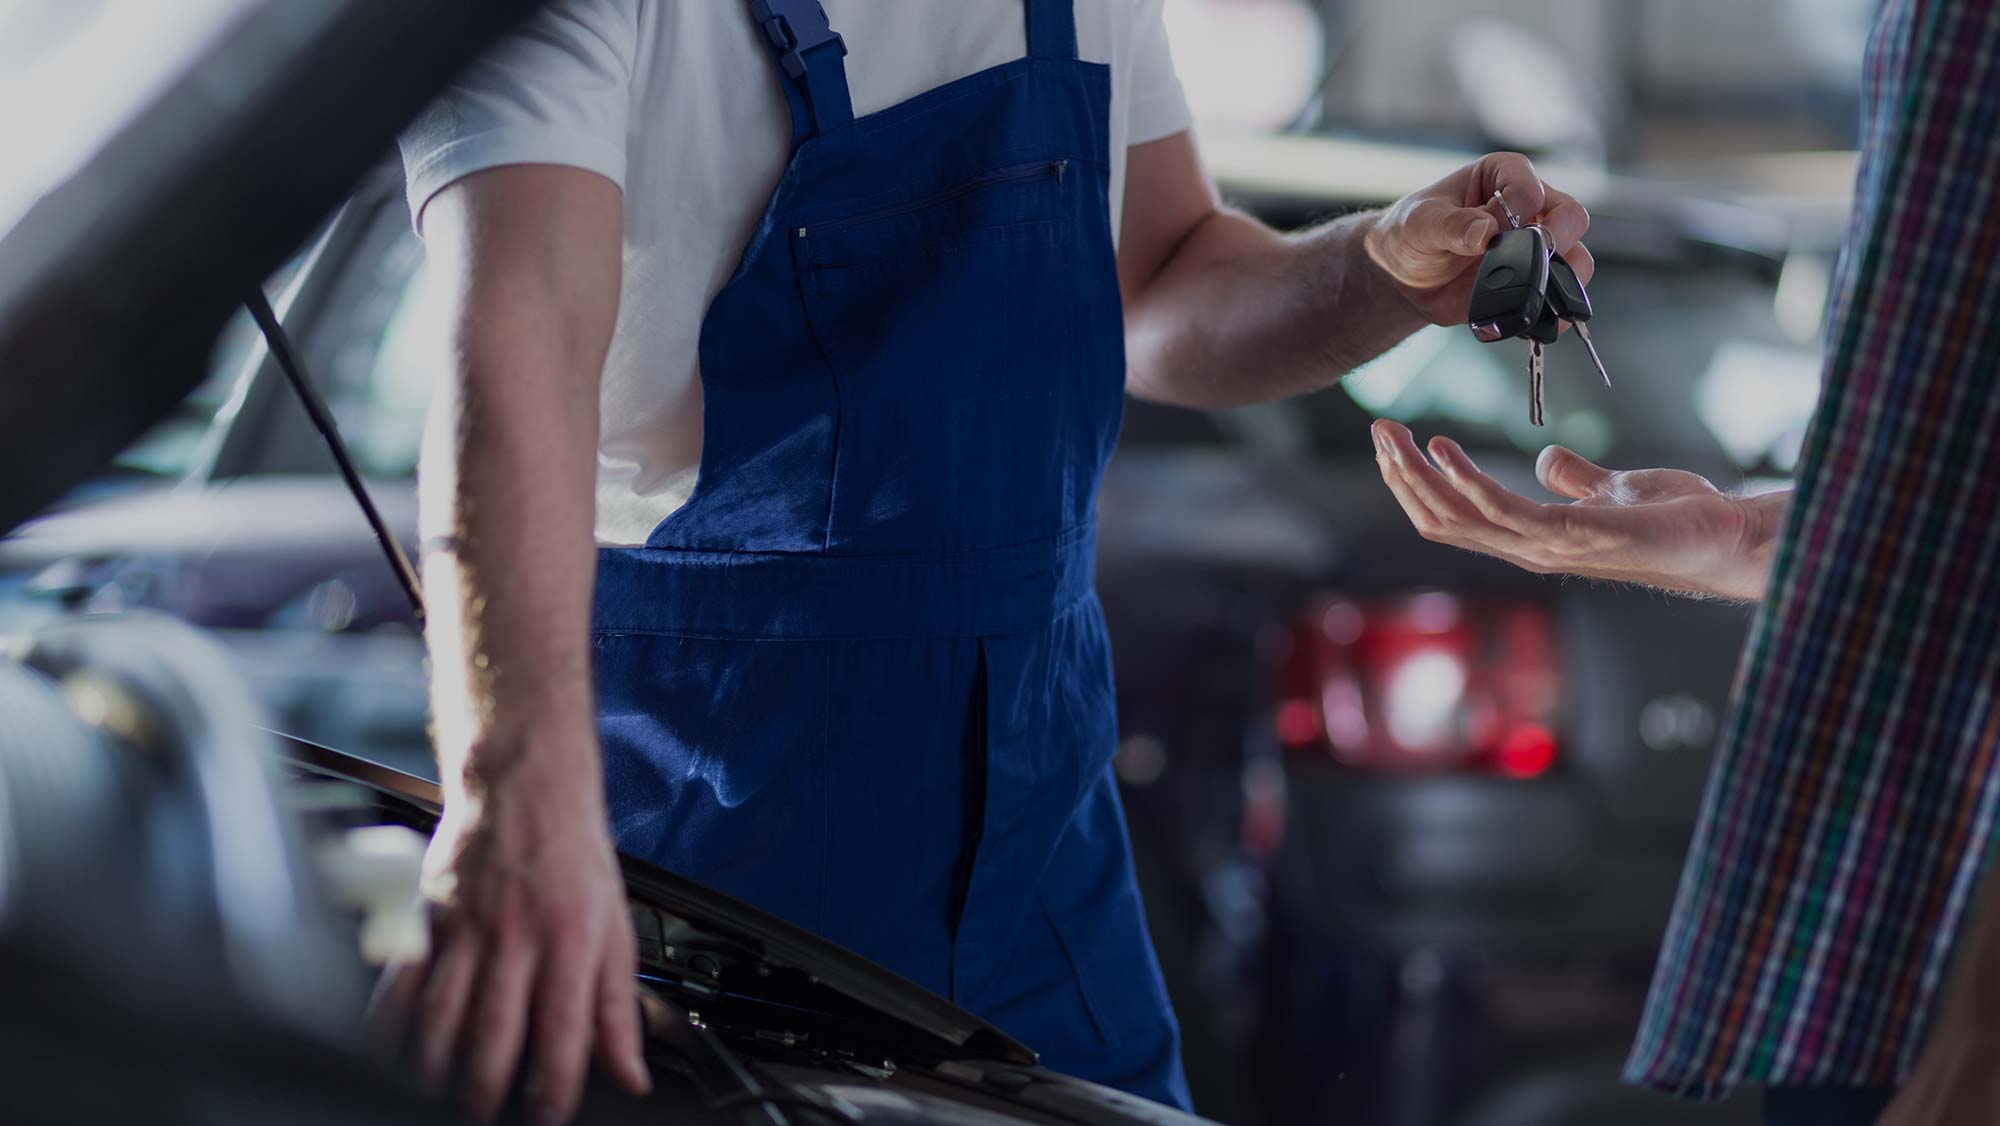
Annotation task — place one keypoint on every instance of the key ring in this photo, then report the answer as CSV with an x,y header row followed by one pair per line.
x,y
1513,219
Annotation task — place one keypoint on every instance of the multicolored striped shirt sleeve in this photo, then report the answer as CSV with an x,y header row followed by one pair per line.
x,y
1852,805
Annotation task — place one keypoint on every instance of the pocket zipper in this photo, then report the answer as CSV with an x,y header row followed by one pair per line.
x,y
1053,169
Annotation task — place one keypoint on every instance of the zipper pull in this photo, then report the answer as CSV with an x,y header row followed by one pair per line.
x,y
1061,166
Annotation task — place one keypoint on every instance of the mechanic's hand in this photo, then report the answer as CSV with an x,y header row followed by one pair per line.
x,y
1661,527
532,951
1430,242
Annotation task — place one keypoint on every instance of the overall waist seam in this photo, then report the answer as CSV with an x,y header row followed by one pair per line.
x,y
1036,625
666,555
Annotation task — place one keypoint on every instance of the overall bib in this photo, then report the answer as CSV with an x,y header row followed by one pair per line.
x,y
861,678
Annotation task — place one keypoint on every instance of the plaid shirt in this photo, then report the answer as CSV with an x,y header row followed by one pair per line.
x,y
1853,800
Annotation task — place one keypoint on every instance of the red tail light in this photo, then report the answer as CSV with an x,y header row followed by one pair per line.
x,y
1423,683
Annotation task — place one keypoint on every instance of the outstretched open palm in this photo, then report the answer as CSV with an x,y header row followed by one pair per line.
x,y
1661,527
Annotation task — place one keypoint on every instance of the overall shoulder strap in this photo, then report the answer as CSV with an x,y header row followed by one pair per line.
x,y
808,54
1051,29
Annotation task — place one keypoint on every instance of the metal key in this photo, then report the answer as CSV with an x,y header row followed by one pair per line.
x,y
1570,302
1539,284
1546,331
1535,382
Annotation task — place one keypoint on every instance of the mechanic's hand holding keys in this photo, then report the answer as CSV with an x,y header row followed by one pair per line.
x,y
1431,242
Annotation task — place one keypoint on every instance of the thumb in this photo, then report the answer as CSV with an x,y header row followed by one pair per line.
x,y
1565,472
1475,230
1436,227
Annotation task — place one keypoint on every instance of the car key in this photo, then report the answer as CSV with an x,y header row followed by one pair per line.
x,y
1507,295
1535,343
1508,299
1539,338
1524,288
1570,302
1534,382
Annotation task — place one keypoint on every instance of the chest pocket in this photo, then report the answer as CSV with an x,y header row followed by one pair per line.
x,y
973,338
1015,202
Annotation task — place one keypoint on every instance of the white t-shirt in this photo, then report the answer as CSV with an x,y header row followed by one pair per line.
x,y
677,101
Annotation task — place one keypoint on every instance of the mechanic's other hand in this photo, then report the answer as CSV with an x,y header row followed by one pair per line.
x,y
532,954
1430,242
1661,527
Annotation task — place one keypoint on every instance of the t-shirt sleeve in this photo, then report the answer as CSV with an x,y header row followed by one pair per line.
x,y
555,91
1159,105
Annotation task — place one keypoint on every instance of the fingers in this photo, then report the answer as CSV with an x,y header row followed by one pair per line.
x,y
620,1045
1494,501
1459,516
565,1000
1582,261
1437,226
1569,474
446,997
1513,176
393,1005
1533,201
499,1029
1421,517
1564,218
1444,510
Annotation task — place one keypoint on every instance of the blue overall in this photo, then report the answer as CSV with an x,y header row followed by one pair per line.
x,y
861,679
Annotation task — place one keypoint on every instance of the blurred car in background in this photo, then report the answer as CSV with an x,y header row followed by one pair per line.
x,y
1408,821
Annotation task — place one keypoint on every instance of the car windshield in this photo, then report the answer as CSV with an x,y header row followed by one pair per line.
x,y
175,447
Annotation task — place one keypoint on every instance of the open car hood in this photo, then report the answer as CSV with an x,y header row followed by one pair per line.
x,y
707,948
114,286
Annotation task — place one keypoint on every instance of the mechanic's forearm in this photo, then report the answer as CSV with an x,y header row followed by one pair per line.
x,y
1243,314
508,509
508,487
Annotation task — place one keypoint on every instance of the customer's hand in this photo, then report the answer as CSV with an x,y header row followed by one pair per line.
x,y
533,949
1430,243
1660,527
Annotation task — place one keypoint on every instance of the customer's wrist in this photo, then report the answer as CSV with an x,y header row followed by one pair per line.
x,y
1757,545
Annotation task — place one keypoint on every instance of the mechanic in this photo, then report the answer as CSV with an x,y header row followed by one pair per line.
x,y
784,378
1851,811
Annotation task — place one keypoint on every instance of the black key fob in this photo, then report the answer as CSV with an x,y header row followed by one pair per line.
x,y
1507,296
1548,329
1566,293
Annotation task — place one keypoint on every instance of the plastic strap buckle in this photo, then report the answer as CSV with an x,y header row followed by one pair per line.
x,y
795,27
